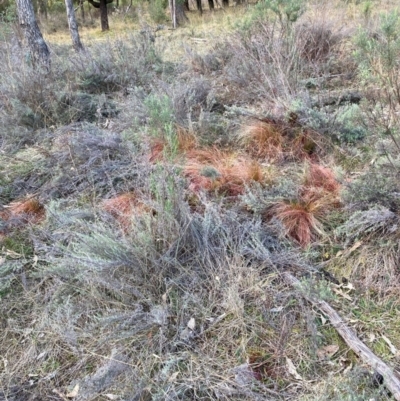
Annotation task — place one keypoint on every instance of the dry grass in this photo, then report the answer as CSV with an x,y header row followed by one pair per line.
x,y
123,208
215,170
318,176
264,139
187,303
185,142
27,211
278,141
301,219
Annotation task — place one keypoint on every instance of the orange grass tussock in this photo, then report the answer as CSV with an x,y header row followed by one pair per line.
x,y
263,139
185,141
122,207
318,176
213,169
29,210
278,140
300,219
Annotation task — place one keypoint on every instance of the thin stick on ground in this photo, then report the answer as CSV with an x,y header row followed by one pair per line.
x,y
391,379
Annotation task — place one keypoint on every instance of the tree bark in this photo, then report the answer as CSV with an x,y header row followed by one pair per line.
x,y
391,378
42,6
102,5
81,5
199,6
104,16
180,15
73,26
172,8
37,46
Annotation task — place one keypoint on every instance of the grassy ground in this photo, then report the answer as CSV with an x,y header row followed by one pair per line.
x,y
154,188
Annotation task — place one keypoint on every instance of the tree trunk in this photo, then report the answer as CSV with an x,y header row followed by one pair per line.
x,y
73,26
211,4
102,5
172,9
199,6
104,16
37,46
180,16
81,5
42,8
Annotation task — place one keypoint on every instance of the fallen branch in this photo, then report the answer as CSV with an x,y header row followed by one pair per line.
x,y
198,40
391,378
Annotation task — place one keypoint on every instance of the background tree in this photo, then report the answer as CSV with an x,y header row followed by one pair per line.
x,y
73,26
39,51
102,5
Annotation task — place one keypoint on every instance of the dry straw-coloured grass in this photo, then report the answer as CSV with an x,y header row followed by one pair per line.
x,y
181,305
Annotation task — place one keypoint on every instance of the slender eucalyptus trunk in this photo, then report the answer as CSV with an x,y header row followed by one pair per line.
x,y
104,15
73,26
81,4
102,5
39,51
42,8
180,15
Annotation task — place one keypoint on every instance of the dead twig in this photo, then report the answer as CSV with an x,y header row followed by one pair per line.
x,y
391,378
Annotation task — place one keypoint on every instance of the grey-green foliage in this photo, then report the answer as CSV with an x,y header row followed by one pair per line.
x,y
74,90
343,124
8,273
157,10
286,11
161,122
170,244
113,66
376,221
378,57
378,186
160,111
349,122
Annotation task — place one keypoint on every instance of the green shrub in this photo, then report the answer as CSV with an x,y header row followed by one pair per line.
x,y
157,10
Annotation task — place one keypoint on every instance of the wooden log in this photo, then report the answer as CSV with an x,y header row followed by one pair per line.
x,y
391,378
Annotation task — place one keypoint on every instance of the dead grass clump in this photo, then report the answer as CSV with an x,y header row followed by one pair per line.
x,y
183,140
212,169
304,215
156,150
301,219
28,211
123,207
263,139
278,140
318,176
